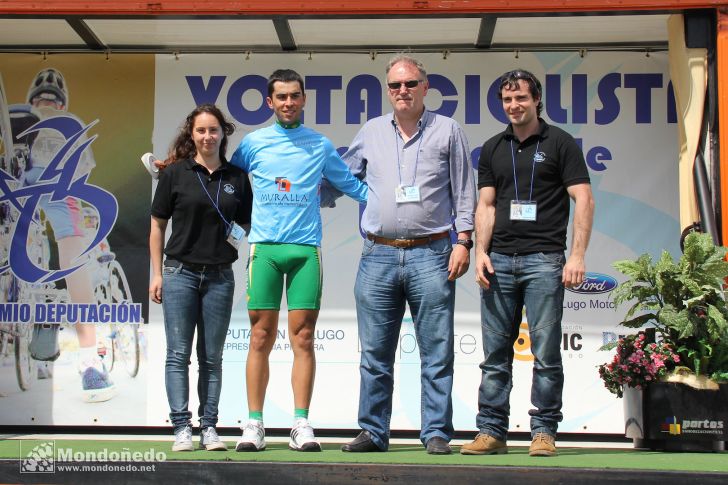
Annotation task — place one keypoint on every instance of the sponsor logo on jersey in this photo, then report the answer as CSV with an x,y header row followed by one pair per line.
x,y
284,185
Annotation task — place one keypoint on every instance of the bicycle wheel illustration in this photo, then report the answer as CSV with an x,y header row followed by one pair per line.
x,y
20,334
125,338
25,366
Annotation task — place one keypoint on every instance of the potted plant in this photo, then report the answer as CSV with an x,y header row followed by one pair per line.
x,y
673,372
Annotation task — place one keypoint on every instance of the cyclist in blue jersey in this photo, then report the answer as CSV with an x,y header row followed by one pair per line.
x,y
287,162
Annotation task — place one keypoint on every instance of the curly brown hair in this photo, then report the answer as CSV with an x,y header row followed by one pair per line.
x,y
183,147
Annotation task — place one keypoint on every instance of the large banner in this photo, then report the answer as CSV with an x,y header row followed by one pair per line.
x,y
74,222
619,106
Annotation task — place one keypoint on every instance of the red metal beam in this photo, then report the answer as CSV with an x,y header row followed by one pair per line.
x,y
334,7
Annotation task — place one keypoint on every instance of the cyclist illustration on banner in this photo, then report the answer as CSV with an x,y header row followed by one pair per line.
x,y
45,165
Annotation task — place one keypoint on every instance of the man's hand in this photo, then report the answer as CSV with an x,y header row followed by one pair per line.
x,y
459,262
483,269
328,194
574,271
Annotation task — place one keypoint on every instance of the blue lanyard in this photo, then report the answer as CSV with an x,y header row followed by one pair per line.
x,y
533,170
215,203
417,157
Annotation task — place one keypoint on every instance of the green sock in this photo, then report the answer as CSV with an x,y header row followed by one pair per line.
x,y
256,415
300,413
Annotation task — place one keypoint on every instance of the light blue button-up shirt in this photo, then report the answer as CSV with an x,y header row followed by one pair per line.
x,y
435,159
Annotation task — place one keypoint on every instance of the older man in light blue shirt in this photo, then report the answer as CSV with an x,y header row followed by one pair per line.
x,y
416,164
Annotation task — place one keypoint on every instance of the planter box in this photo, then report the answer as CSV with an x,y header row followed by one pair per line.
x,y
676,417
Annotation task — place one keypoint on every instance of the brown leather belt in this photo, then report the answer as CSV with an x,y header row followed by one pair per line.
x,y
408,243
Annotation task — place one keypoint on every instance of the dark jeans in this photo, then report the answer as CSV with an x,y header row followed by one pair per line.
x,y
203,301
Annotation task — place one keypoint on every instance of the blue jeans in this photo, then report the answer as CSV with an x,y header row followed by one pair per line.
x,y
388,278
201,300
533,280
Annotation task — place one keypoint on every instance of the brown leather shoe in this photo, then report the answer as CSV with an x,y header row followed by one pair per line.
x,y
484,444
543,445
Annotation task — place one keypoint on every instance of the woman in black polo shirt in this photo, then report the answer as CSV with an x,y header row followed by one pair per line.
x,y
209,201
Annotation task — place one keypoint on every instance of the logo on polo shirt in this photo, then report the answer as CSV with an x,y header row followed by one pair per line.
x,y
228,188
284,185
539,157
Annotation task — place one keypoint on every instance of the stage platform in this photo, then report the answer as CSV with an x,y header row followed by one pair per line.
x,y
148,459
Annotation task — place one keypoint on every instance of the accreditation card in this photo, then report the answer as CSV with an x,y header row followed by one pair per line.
x,y
523,210
236,235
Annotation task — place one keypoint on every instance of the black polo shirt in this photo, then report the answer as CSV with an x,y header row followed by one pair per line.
x,y
560,165
198,231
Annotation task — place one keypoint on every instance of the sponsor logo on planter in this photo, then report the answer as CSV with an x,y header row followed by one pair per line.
x,y
671,426
691,426
595,283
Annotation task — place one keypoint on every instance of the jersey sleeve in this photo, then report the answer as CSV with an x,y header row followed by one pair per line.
x,y
341,178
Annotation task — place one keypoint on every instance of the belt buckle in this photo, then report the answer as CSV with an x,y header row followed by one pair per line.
x,y
405,243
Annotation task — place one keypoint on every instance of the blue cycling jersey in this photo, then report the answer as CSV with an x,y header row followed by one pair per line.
x,y
287,166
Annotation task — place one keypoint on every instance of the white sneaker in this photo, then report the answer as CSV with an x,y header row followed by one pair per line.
x,y
253,438
210,441
302,438
183,440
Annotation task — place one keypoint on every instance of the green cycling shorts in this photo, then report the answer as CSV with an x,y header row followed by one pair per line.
x,y
299,263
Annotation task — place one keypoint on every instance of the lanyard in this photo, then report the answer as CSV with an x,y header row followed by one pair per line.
x,y
215,203
417,157
533,170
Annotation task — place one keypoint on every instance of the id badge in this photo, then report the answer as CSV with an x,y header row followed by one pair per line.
x,y
523,210
236,235
407,193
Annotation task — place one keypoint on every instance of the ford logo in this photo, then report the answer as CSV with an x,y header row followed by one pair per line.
x,y
595,283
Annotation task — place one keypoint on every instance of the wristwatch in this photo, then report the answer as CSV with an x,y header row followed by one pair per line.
x,y
468,243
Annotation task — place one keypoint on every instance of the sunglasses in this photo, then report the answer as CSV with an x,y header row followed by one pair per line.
x,y
517,74
408,84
